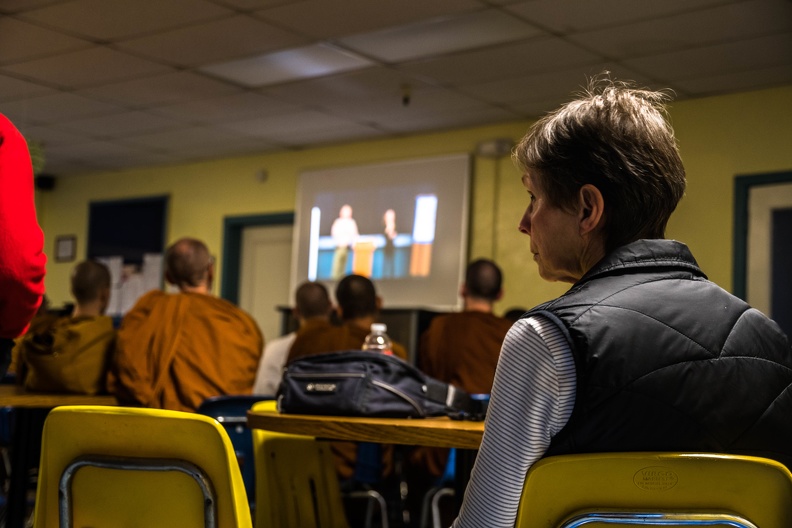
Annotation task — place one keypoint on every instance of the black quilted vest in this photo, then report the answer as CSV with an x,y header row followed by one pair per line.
x,y
668,361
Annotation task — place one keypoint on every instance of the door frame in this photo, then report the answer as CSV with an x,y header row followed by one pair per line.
x,y
232,247
742,189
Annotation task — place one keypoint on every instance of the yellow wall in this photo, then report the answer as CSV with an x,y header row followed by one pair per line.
x,y
720,137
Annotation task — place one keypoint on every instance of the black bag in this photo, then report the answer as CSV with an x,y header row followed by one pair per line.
x,y
358,383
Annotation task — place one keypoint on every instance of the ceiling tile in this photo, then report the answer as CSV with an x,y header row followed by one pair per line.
x,y
428,113
333,18
516,91
185,138
763,52
287,124
18,6
321,136
215,41
108,20
218,149
120,125
56,108
559,18
20,41
303,128
707,26
162,89
533,56
426,105
252,5
11,88
744,80
97,150
345,88
51,135
441,35
226,108
69,69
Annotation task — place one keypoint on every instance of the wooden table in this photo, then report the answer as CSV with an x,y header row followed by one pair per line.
x,y
17,397
30,410
434,432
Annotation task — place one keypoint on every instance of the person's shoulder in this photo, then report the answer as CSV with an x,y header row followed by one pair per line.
x,y
439,320
44,322
150,299
100,322
218,304
485,317
228,311
284,341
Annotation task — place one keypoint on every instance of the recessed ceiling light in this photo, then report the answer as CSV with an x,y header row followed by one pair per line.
x,y
288,65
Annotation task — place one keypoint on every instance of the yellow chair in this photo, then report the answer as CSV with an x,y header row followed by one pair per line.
x,y
296,481
132,467
656,489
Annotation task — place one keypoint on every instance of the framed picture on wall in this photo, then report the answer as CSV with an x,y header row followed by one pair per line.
x,y
763,244
65,248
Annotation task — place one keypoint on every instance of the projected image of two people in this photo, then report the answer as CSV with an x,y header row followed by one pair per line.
x,y
390,241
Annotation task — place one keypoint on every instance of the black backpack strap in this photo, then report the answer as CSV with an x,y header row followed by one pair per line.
x,y
454,398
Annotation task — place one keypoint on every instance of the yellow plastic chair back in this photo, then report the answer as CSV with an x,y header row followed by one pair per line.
x,y
656,489
296,481
130,467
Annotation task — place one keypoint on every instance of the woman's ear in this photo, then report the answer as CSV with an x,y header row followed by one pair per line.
x,y
591,208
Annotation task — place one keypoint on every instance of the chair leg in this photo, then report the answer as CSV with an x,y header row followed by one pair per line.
x,y
425,507
444,492
372,496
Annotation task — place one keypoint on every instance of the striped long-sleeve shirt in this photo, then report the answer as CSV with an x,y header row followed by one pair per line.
x,y
532,399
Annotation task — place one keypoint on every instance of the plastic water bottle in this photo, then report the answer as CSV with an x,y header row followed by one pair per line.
x,y
378,340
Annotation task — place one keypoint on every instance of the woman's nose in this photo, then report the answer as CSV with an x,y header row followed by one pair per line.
x,y
525,224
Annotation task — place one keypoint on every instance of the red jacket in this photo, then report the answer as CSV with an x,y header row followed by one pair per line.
x,y
22,259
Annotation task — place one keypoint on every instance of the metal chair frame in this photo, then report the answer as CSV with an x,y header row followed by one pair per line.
x,y
659,519
65,500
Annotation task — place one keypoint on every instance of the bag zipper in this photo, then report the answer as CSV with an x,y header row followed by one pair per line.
x,y
326,375
399,393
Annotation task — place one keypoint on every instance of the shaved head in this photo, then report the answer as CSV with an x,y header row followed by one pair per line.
x,y
187,263
88,280
357,297
312,300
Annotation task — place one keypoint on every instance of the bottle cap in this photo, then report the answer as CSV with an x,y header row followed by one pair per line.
x,y
379,327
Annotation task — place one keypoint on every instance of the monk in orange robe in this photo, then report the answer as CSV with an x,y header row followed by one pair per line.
x,y
175,350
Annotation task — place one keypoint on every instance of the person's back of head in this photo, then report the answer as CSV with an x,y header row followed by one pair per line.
x,y
356,297
90,285
188,265
312,301
483,280
616,138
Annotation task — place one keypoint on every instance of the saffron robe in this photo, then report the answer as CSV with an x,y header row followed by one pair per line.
x,y
66,354
175,350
